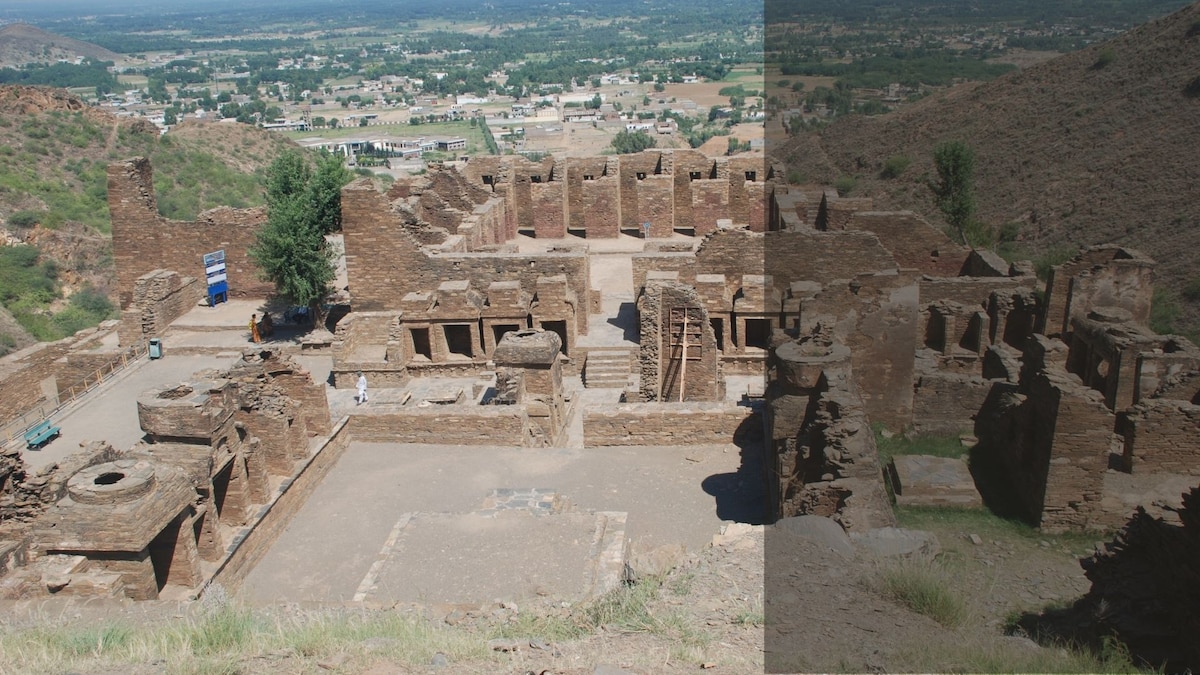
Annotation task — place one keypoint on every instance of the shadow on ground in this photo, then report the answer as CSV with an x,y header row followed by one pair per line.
x,y
626,319
741,496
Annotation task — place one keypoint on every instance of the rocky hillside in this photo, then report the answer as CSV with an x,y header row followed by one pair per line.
x,y
1096,146
21,43
54,153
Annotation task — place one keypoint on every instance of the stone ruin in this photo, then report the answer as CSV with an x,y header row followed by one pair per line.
x,y
162,518
1144,591
858,318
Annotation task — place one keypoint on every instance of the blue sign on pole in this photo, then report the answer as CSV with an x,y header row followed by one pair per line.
x,y
214,274
646,230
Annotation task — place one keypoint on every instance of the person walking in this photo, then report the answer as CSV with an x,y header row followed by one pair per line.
x,y
254,336
362,388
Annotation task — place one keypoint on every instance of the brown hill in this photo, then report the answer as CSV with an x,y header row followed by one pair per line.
x,y
21,43
1095,146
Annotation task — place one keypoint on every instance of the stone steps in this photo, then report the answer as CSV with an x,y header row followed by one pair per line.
x,y
607,369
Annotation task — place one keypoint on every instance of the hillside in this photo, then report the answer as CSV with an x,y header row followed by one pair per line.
x,y
1095,146
54,153
21,43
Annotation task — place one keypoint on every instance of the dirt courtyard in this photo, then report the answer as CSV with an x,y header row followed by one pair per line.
x,y
448,524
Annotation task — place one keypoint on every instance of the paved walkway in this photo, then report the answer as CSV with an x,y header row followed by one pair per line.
x,y
110,412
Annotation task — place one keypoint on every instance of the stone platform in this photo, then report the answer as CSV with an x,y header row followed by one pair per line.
x,y
924,480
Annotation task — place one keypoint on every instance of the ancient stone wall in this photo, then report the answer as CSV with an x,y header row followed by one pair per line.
x,y
671,315
144,241
877,318
1053,435
479,425
946,403
159,297
384,262
695,423
1102,276
913,242
1162,435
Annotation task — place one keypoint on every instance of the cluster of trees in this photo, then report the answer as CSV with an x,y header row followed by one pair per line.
x,y
93,74
629,142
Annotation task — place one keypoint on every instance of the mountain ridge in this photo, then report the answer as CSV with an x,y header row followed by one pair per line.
x,y
1096,146
22,43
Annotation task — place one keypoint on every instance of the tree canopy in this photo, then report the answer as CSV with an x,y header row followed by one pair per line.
x,y
955,190
302,207
628,142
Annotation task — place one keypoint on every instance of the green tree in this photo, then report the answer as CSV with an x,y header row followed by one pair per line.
x,y
628,142
325,191
955,191
291,250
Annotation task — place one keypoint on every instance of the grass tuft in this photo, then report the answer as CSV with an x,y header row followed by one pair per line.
x,y
920,586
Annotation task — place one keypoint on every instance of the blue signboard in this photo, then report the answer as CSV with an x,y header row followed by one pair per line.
x,y
214,274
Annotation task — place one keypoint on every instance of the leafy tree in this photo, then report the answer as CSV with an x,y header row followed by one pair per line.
x,y
325,191
302,207
628,142
954,191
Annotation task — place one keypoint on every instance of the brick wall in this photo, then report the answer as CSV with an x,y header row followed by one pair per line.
x,y
159,297
1161,436
278,514
663,424
481,425
144,241
384,262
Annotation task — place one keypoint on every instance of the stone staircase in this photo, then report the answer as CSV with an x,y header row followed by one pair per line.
x,y
607,368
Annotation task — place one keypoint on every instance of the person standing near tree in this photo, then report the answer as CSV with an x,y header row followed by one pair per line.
x,y
362,388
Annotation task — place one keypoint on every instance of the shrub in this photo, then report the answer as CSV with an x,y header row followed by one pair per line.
x,y
1164,310
1051,257
1106,58
844,185
1191,290
894,166
25,220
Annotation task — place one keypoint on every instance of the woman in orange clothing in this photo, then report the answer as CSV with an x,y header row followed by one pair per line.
x,y
254,336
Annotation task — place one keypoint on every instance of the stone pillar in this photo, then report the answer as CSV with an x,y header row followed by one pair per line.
x,y
237,498
259,487
534,354
210,544
185,558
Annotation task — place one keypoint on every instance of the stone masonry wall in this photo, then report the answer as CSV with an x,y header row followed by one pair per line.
x,y
697,423
34,375
159,297
945,403
384,262
481,425
144,241
913,242
1161,436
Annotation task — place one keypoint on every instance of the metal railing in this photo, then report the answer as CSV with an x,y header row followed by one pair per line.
x,y
16,427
